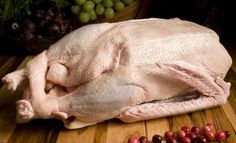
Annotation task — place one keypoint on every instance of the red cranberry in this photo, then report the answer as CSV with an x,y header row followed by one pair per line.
x,y
186,129
206,129
191,136
133,139
209,135
195,129
169,134
143,139
156,139
181,134
200,139
210,125
186,140
227,134
171,140
220,135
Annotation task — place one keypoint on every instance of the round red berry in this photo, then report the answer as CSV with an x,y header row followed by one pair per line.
x,y
143,139
206,129
181,134
186,129
191,136
133,139
200,139
220,135
169,134
209,135
227,134
171,140
195,129
210,125
186,140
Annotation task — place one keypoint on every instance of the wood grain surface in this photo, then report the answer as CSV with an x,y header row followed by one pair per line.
x,y
111,131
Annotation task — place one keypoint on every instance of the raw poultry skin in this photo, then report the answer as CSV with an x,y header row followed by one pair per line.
x,y
133,70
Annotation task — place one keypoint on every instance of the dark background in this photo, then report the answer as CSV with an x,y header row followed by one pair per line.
x,y
219,15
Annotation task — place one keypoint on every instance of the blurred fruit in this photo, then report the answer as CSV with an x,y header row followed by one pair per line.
x,y
84,17
88,6
92,15
220,135
156,139
210,125
118,6
171,140
127,2
75,9
191,136
209,135
227,134
186,129
27,26
15,26
206,129
195,129
54,29
39,14
99,9
181,134
186,140
80,2
27,37
107,3
168,134
109,13
143,139
133,139
97,1
200,139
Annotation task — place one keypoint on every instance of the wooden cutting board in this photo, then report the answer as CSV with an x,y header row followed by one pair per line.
x,y
112,131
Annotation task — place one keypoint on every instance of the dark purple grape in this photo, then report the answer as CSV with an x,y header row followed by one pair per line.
x,y
27,26
50,13
27,37
39,14
47,18
15,26
40,24
143,139
54,29
156,139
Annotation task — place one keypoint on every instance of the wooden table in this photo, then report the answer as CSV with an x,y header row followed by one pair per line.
x,y
112,131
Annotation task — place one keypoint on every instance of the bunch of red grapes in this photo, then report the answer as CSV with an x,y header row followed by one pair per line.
x,y
186,135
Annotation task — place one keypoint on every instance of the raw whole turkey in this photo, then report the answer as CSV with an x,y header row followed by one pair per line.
x,y
132,70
